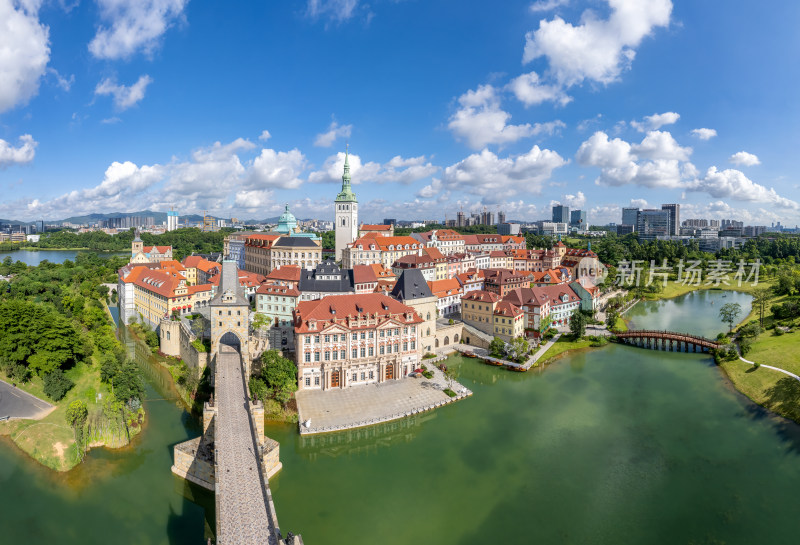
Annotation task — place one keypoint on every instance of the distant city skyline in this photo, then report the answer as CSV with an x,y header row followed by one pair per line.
x,y
242,111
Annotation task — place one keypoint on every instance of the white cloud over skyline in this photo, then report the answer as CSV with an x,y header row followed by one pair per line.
x,y
24,52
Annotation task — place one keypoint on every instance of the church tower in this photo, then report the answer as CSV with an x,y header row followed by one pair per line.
x,y
346,212
137,245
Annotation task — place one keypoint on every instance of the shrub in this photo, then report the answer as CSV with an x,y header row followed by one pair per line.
x,y
778,332
57,384
428,374
428,356
199,345
450,392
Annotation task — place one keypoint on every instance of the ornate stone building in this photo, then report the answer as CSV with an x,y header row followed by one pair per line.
x,y
354,340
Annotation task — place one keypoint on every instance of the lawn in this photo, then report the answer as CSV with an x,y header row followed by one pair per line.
x,y
771,389
779,351
50,441
562,345
674,289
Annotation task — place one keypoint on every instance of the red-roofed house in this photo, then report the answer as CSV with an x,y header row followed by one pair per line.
x,y
288,275
448,296
380,230
446,241
277,302
354,340
364,279
477,310
374,249
248,280
509,321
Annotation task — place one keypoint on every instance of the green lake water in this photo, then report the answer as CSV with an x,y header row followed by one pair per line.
x,y
616,445
35,257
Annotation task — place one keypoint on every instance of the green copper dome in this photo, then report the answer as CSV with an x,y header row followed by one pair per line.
x,y
287,223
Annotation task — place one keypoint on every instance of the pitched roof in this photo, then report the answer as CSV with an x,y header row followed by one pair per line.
x,y
481,296
276,289
413,261
382,272
326,277
159,249
363,274
338,308
295,242
444,288
410,286
388,243
289,273
433,253
229,285
368,227
172,264
506,308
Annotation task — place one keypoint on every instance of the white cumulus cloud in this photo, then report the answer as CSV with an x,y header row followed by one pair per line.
x,y
744,159
547,5
494,177
24,153
133,25
529,89
396,170
655,121
335,131
733,184
24,52
336,10
124,96
277,169
480,121
704,134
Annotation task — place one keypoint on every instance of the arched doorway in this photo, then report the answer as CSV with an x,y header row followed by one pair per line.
x,y
390,371
437,343
446,340
335,379
230,340
455,338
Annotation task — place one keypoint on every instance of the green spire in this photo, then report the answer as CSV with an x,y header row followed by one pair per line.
x,y
346,194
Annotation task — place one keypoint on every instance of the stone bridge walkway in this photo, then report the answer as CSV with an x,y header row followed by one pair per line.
x,y
243,508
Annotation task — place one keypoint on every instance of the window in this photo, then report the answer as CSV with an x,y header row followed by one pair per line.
x,y
308,381
355,377
342,354
316,356
413,345
335,355
397,347
307,340
371,351
382,332
382,350
363,352
371,334
308,358
405,347
316,381
405,331
355,352
327,338
167,335
371,375
229,313
355,336
327,355
363,335
388,348
316,338
363,375
397,331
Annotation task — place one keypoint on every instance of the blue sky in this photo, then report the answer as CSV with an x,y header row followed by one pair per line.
x,y
238,107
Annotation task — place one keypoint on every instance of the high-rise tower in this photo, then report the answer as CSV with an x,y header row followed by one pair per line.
x,y
346,212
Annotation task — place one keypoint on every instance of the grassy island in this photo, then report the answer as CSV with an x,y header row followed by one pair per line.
x,y
58,343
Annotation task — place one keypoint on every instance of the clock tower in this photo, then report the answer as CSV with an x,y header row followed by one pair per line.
x,y
345,212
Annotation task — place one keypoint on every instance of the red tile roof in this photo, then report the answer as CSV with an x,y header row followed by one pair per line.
x,y
481,296
367,227
387,243
338,308
277,289
290,273
160,249
443,288
506,308
363,274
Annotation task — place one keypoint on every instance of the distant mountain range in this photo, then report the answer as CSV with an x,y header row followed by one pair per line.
x,y
158,217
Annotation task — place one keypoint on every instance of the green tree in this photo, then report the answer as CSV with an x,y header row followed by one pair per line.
x,y
761,298
497,348
57,384
577,325
729,312
611,318
76,417
258,388
280,375
127,383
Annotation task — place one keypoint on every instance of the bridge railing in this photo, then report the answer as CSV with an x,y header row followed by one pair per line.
x,y
674,335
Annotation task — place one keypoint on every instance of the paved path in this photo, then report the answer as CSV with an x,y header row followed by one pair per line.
x,y
15,403
784,371
482,353
343,408
243,506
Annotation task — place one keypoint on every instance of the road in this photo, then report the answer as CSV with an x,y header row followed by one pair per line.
x,y
18,404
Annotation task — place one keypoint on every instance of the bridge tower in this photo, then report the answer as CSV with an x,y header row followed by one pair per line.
x,y
230,316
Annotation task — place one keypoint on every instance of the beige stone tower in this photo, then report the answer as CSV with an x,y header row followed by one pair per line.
x,y
230,315
412,289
